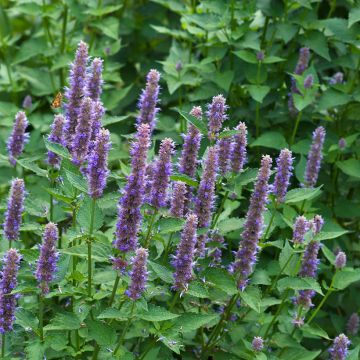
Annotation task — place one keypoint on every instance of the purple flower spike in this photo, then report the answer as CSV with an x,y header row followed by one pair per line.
x,y
184,258
119,264
314,158
148,182
309,82
178,199
76,90
56,136
301,227
82,137
339,350
18,137
8,283
246,255
238,155
352,325
340,260
215,253
309,266
27,102
99,112
138,274
303,62
196,112
217,115
162,172
97,170
260,56
188,159
225,151
94,80
257,343
129,216
205,198
283,174
337,78
46,265
316,224
149,99
15,208
342,143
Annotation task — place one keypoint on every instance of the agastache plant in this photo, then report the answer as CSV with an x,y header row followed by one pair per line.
x,y
46,265
178,199
149,99
225,150
76,90
238,154
161,174
15,208
283,174
339,349
129,215
216,115
301,227
94,80
8,283
138,274
184,258
18,137
98,114
314,158
352,326
97,170
56,136
246,255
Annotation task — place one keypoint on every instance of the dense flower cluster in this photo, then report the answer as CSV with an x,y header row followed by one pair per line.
x,y
178,199
56,136
238,154
283,174
217,115
339,350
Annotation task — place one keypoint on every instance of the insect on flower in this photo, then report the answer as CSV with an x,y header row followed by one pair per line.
x,y
57,101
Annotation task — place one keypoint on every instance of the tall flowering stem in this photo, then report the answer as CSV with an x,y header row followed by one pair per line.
x,y
76,90
178,199
238,154
98,114
225,149
148,100
161,174
18,137
283,174
56,136
97,170
314,158
94,80
184,258
15,208
217,115
246,255
129,216
339,350
301,227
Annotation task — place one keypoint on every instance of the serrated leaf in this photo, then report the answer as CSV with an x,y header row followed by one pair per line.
x,y
197,289
64,321
295,283
258,92
84,215
191,322
162,272
272,139
325,235
157,313
57,149
26,319
195,121
314,330
170,225
184,178
301,194
346,277
32,166
252,297
112,313
350,167
228,133
221,279
100,252
77,181
35,350
102,333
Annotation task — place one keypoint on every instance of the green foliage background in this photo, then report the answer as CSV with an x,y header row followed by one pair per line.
x,y
216,42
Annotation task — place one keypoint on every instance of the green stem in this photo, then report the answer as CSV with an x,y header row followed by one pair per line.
x,y
257,107
121,340
221,207
92,213
148,235
10,244
168,246
270,223
175,299
116,283
3,345
297,122
41,317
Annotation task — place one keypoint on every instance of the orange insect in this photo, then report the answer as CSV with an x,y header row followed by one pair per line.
x,y
56,103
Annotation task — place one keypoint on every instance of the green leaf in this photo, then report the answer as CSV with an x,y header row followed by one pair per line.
x,y
326,235
110,120
247,56
26,319
228,133
300,354
27,164
195,121
314,331
252,297
285,262
104,10
162,272
354,16
102,333
84,215
258,92
353,354
157,313
192,322
170,225
331,98
301,194
186,179
112,313
109,26
346,277
57,149
299,284
221,279
272,139
197,289
35,350
272,59
77,181
100,252
350,167
63,321
317,42
230,224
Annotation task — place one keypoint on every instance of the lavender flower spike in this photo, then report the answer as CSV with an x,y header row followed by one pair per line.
x,y
316,224
178,199
27,102
162,172
352,326
257,343
184,258
283,174
98,114
339,350
188,159
56,136
149,99
309,265
301,227
15,208
303,62
94,80
340,260
314,158
205,198
18,137
196,112
76,90
225,150
82,137
46,265
129,216
7,284
216,115
238,155
138,274
246,255
97,170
